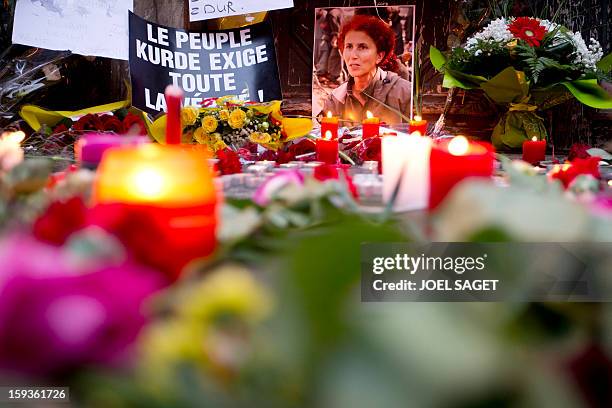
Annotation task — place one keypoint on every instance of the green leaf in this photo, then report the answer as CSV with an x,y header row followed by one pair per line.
x,y
588,92
438,59
508,86
605,64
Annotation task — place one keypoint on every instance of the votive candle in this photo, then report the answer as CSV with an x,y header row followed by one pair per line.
x,y
534,150
418,124
370,125
327,149
329,123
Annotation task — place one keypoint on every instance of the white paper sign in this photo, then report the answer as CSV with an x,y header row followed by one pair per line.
x,y
206,9
88,27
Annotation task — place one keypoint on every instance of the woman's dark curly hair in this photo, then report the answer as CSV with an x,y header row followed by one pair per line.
x,y
382,35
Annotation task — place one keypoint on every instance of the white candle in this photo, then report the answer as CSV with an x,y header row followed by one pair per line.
x,y
407,156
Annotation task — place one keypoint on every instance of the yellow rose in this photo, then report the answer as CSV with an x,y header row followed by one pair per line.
x,y
200,136
189,114
218,145
261,138
236,119
209,124
224,114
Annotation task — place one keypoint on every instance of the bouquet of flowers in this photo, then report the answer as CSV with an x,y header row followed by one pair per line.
x,y
236,124
527,64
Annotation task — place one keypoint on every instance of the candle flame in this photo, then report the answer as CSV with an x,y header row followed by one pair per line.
x,y
369,115
609,183
13,137
148,183
566,166
458,146
418,118
329,114
416,133
328,135
535,139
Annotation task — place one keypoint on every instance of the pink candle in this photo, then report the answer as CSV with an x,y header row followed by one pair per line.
x,y
174,97
90,148
534,150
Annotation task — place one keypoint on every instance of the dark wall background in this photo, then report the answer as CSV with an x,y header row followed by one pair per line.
x,y
441,23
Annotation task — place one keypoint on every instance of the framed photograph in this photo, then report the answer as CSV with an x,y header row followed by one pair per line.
x,y
362,61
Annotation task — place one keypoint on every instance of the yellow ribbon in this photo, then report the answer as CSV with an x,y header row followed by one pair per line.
x,y
35,116
523,107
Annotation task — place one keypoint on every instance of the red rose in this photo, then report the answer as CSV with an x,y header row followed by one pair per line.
x,y
229,162
111,123
304,146
267,155
348,145
569,172
61,219
60,129
336,172
88,122
133,124
370,150
283,156
578,150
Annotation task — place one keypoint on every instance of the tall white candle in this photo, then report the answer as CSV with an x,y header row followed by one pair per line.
x,y
407,156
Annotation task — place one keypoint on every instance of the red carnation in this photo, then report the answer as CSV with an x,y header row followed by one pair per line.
x,y
229,162
528,29
268,155
61,219
578,150
569,172
111,123
133,124
88,122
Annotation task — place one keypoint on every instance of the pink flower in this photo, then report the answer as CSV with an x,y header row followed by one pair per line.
x,y
264,194
57,319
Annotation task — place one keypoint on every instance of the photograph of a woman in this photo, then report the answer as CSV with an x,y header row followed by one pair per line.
x,y
372,76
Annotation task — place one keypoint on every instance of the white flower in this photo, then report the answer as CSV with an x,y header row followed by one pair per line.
x,y
588,56
496,31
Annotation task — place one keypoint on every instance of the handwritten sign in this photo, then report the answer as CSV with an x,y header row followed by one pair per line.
x,y
206,9
209,64
87,27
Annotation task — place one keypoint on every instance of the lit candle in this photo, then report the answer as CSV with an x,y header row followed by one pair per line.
x,y
174,130
329,123
88,150
370,125
534,150
452,162
327,149
418,124
173,185
405,160
11,153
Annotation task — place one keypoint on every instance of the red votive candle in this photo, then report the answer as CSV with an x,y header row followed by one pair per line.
x,y
534,150
455,160
370,125
327,149
329,123
418,124
174,130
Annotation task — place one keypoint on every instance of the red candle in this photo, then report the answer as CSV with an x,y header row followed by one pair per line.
x,y
329,123
370,125
174,130
327,149
534,150
451,162
418,124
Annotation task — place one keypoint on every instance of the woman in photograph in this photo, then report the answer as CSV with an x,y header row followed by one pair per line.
x,y
367,45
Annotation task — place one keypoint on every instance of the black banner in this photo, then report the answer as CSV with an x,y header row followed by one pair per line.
x,y
238,62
